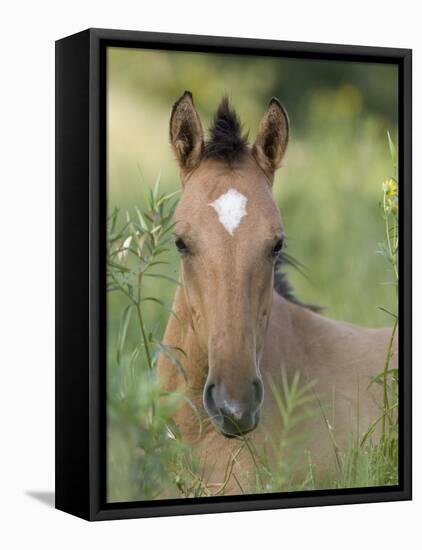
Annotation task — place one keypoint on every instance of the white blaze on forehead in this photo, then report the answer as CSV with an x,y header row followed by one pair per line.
x,y
231,208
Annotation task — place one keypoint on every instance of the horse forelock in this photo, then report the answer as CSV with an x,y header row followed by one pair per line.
x,y
226,141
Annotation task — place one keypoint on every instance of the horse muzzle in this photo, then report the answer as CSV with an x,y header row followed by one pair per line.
x,y
232,417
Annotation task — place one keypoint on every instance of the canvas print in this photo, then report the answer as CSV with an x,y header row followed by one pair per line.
x,y
252,274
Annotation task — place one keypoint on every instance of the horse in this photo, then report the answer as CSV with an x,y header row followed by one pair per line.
x,y
244,334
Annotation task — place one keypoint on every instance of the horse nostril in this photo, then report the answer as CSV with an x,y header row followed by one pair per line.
x,y
259,391
209,401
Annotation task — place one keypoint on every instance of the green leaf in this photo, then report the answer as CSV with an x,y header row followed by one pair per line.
x,y
379,378
169,347
119,267
141,219
158,262
112,237
156,187
151,200
167,229
160,250
165,277
112,220
165,198
385,310
174,360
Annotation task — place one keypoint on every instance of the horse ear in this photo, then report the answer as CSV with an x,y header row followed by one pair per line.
x,y
272,138
186,134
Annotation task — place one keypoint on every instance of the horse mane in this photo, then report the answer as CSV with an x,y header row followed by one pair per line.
x,y
226,141
281,282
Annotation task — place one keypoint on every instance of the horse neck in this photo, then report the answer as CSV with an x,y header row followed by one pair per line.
x,y
316,346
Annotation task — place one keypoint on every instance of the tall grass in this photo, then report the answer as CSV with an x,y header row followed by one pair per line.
x,y
147,458
143,452
373,461
376,462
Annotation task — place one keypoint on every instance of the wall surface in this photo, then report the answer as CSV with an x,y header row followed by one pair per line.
x,y
27,274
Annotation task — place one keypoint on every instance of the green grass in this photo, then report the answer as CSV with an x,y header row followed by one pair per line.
x,y
143,462
329,194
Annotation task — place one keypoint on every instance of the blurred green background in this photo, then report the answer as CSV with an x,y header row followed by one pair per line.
x,y
328,190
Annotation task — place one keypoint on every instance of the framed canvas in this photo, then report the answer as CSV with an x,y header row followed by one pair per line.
x,y
201,365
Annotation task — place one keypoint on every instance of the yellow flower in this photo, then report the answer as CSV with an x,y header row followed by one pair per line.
x,y
391,188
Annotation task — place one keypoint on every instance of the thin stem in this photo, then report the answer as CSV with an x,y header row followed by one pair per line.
x,y
387,233
385,384
257,469
144,336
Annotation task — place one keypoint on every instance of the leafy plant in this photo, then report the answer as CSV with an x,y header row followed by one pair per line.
x,y
282,463
146,457
388,379
375,461
144,451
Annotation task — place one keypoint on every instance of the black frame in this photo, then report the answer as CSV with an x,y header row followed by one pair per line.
x,y
80,273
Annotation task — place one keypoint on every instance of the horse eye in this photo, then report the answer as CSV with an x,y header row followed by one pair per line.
x,y
277,248
181,246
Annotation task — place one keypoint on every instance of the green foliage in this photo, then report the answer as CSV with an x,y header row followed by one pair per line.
x,y
388,379
374,461
146,458
143,452
329,204
296,403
